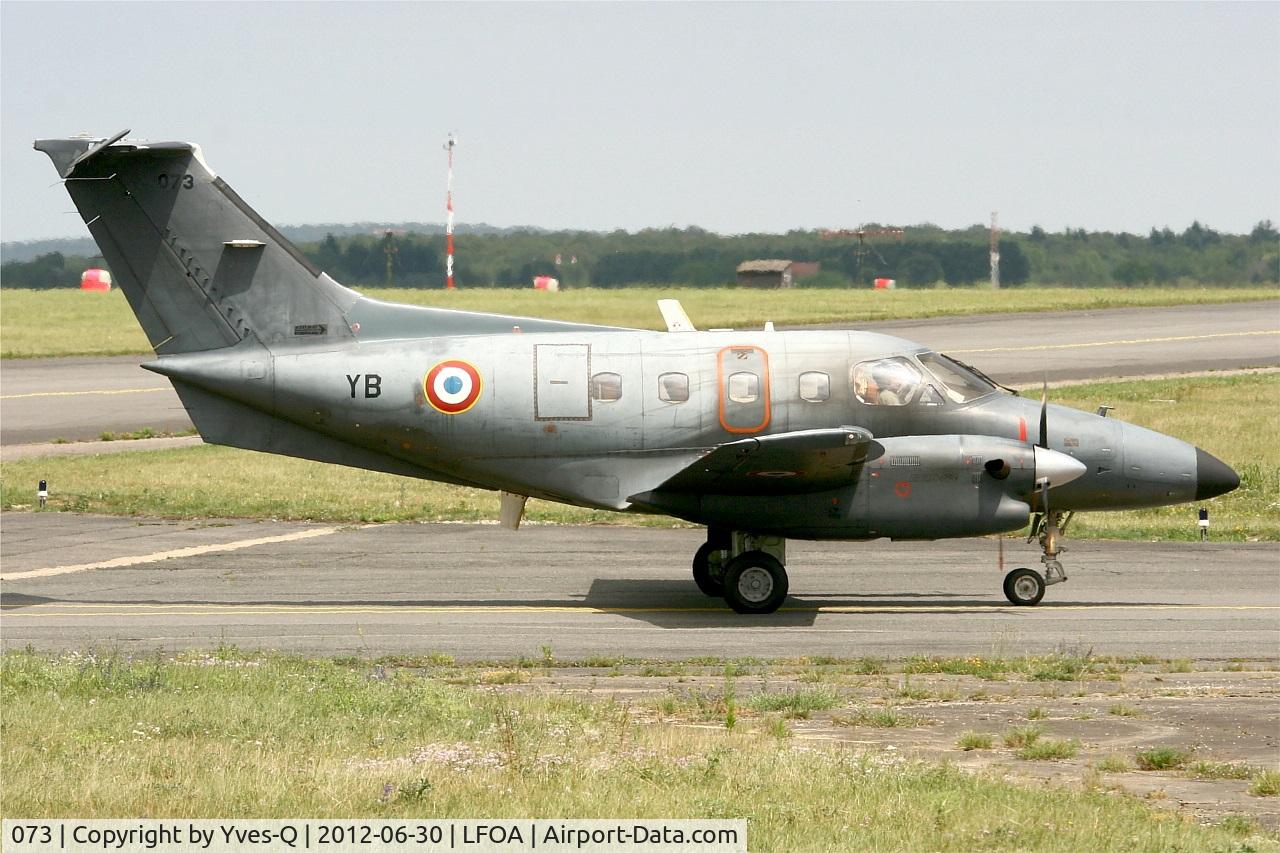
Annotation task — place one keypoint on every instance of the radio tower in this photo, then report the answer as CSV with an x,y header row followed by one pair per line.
x,y
448,222
995,249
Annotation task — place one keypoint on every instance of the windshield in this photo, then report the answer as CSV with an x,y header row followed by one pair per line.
x,y
962,384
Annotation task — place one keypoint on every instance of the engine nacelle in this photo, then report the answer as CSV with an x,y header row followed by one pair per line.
x,y
939,486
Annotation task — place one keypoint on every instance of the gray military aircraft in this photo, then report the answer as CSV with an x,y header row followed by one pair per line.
x,y
759,435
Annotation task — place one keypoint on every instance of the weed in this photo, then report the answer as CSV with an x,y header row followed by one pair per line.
x,y
795,703
1122,710
1114,764
1219,770
1021,736
868,666
1238,824
907,691
1266,784
879,718
1162,758
777,727
1048,750
1037,713
974,740
1179,665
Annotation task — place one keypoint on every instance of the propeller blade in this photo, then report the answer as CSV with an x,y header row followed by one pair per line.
x,y
1044,413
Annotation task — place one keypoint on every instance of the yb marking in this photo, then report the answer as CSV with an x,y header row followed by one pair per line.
x,y
372,385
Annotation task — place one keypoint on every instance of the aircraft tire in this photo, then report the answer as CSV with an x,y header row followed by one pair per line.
x,y
708,569
755,582
1024,587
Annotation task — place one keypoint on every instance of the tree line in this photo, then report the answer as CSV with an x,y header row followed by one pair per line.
x,y
923,257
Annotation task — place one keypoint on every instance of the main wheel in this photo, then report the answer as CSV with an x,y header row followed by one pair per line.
x,y
755,582
1024,587
708,569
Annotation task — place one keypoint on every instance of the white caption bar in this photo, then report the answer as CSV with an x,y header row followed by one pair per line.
x,y
392,836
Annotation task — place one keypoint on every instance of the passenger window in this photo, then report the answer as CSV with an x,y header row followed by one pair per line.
x,y
606,387
815,387
673,388
887,382
744,387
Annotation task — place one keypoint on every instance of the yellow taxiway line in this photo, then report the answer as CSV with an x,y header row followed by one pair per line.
x,y
1129,342
118,610
82,393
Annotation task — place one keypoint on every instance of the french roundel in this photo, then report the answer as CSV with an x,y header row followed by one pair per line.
x,y
452,387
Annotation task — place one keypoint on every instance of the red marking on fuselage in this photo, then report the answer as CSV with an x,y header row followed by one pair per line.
x,y
902,489
1022,429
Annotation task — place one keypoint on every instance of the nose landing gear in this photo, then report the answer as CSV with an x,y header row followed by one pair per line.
x,y
1025,587
749,571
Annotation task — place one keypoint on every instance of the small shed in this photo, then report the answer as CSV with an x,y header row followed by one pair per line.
x,y
766,273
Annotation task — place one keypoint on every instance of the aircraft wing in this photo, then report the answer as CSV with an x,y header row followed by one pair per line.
x,y
811,460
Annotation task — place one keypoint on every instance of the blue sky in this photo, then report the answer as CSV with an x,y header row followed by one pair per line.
x,y
733,117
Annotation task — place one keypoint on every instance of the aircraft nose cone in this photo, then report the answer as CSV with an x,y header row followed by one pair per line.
x,y
1213,476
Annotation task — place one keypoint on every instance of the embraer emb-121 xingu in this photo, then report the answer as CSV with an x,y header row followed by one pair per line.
x,y
759,435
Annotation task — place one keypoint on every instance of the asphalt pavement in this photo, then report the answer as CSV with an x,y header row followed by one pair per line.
x,y
482,592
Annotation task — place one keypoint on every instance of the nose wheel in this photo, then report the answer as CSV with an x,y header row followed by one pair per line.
x,y
1025,587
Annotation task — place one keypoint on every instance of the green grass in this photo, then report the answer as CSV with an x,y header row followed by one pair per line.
x,y
1265,784
879,718
232,735
796,704
1022,736
1220,770
39,323
1048,750
1122,710
974,740
1114,764
1162,758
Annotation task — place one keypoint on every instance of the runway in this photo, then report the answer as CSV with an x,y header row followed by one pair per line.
x,y
481,592
78,398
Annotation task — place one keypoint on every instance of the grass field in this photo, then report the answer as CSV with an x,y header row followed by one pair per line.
x,y
228,734
1232,417
68,322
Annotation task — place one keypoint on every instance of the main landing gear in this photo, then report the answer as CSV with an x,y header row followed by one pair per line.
x,y
749,571
1025,587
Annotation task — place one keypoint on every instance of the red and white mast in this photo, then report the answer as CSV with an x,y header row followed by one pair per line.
x,y
448,222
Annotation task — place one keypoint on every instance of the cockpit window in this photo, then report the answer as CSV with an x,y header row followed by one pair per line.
x,y
887,382
961,384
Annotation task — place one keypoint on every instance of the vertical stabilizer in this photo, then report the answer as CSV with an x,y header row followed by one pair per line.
x,y
199,267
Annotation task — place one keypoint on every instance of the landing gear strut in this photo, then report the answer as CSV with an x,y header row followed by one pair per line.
x,y
748,570
1025,587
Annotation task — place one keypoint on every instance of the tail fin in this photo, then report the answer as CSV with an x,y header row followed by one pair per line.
x,y
199,267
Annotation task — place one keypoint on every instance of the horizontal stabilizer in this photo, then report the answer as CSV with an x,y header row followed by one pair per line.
x,y
789,463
